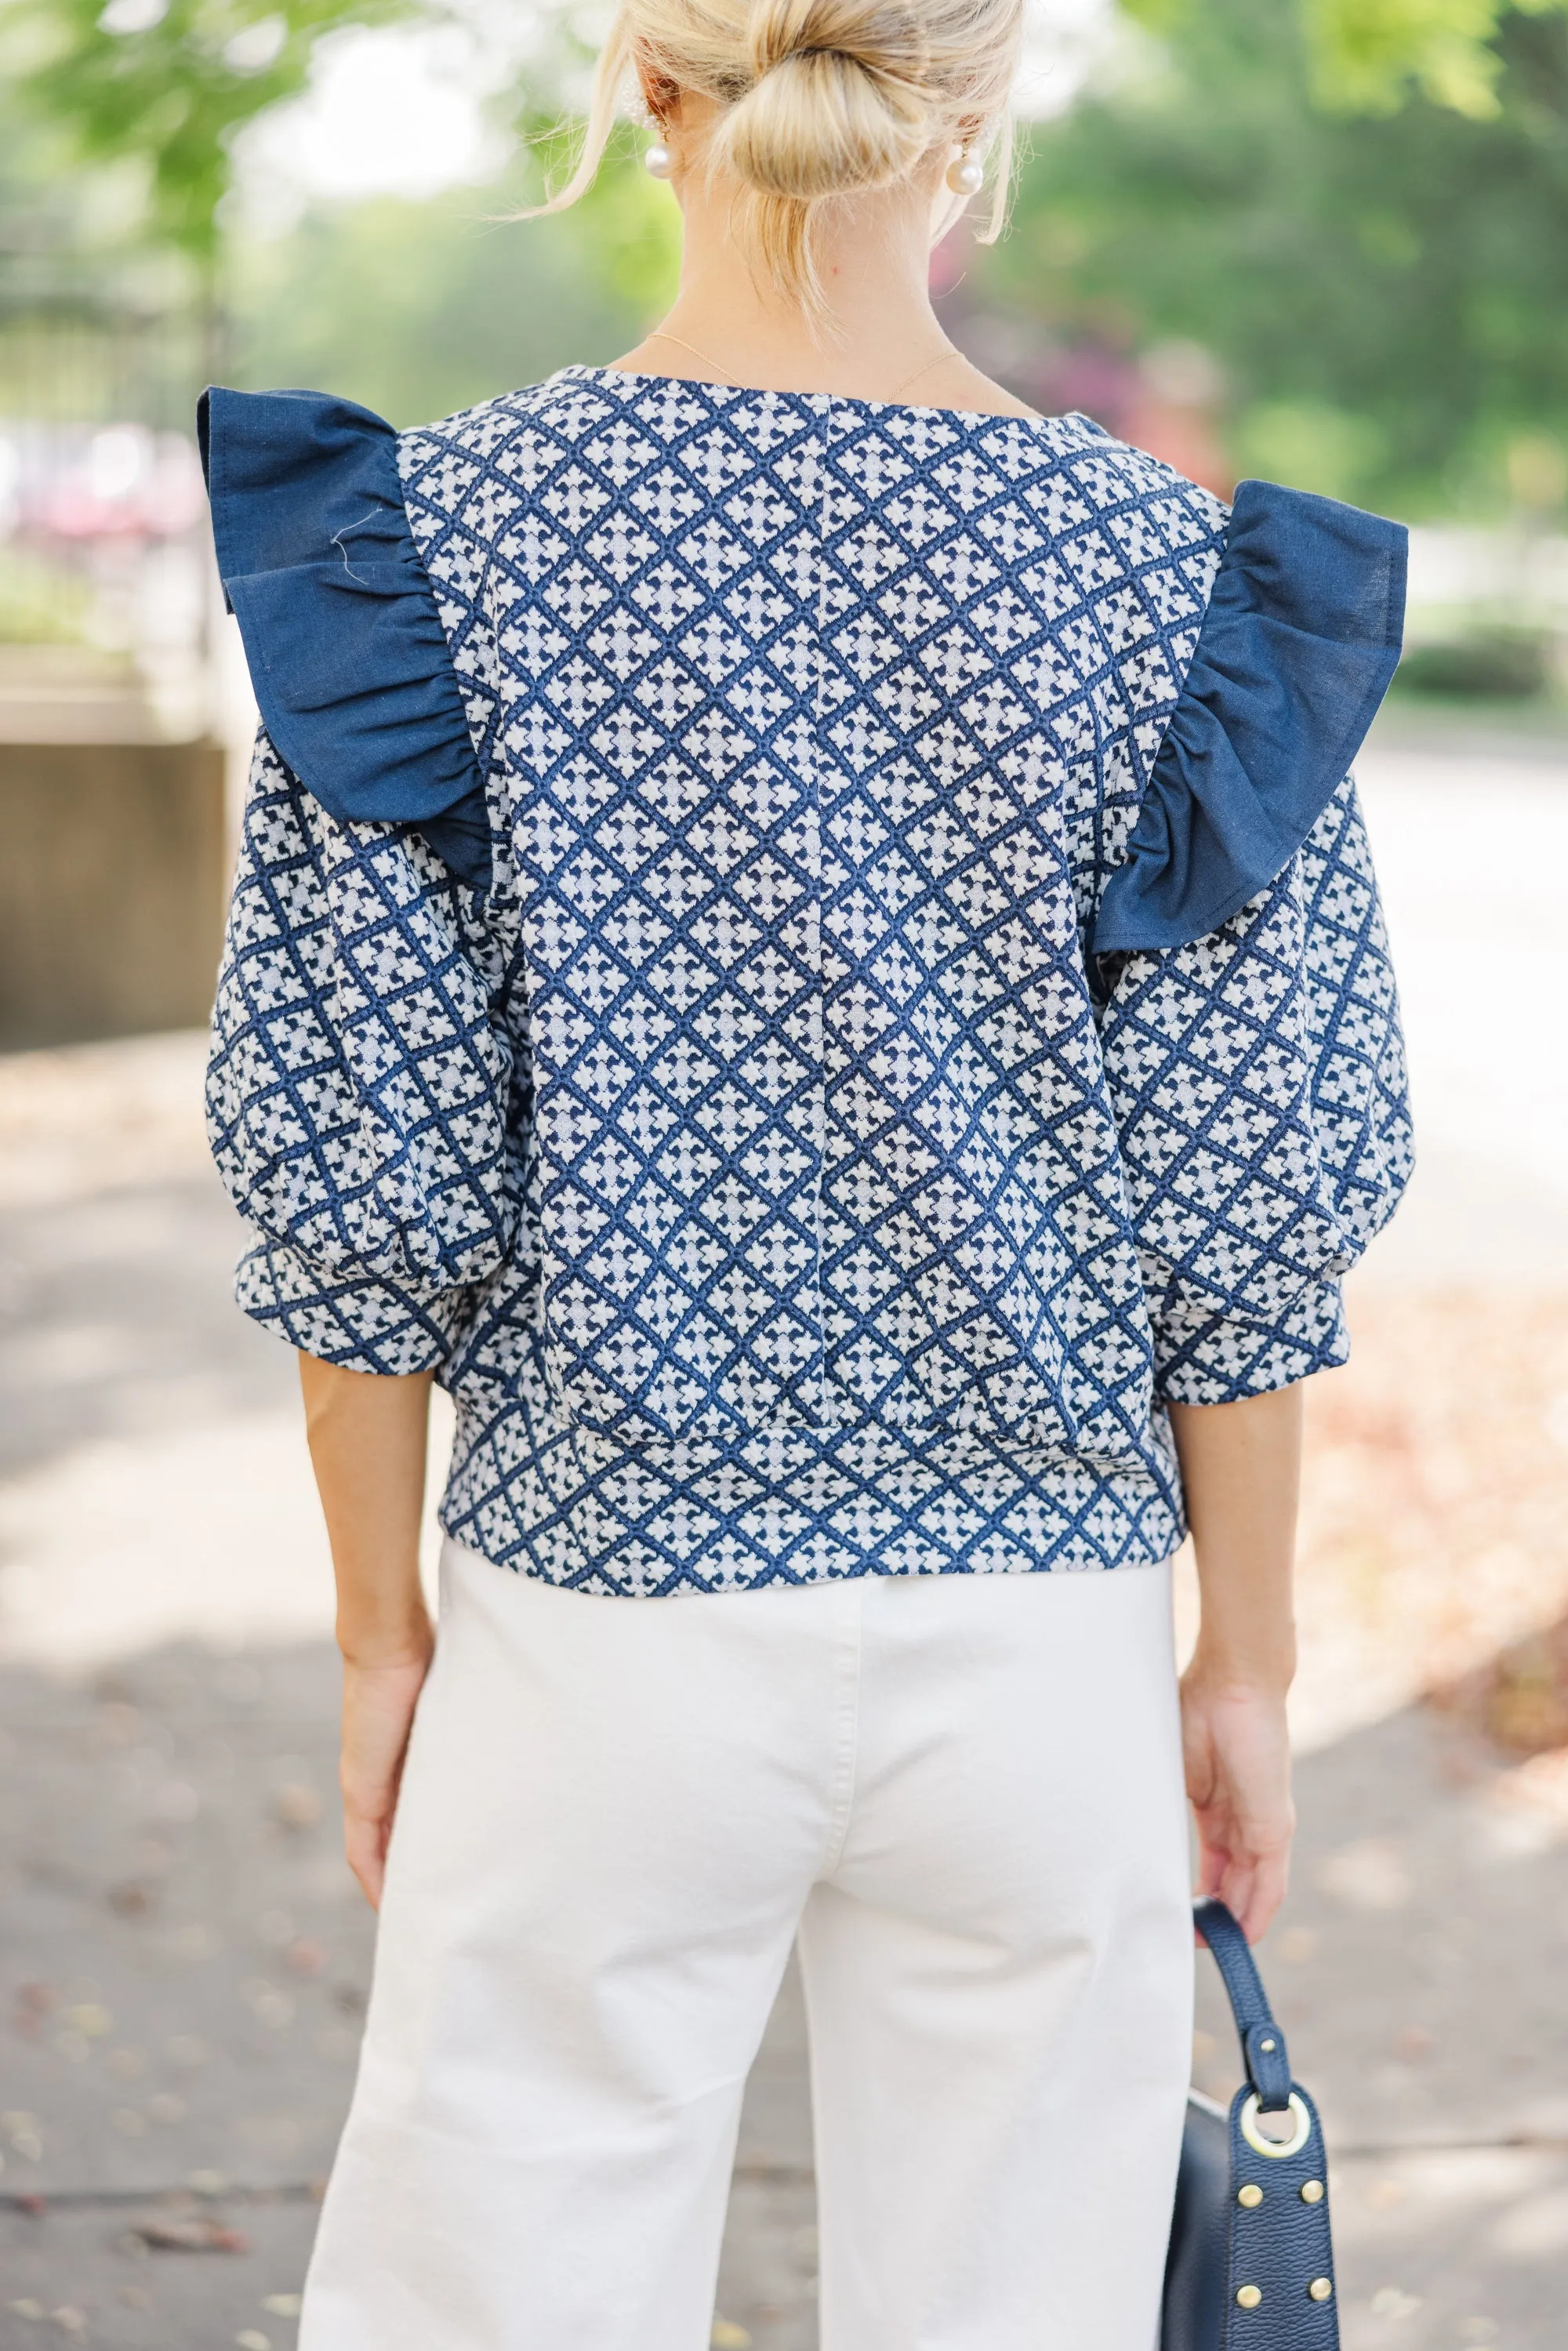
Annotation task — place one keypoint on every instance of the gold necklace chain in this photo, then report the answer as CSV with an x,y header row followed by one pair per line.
x,y
663,335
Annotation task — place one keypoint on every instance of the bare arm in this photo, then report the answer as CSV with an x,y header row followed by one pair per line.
x,y
367,1437
1242,1470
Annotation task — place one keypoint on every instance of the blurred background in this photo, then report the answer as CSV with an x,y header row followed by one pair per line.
x,y
1324,241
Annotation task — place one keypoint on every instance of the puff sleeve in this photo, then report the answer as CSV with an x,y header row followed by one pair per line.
x,y
359,1086
1252,1032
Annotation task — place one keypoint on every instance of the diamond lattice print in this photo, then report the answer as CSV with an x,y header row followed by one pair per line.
x,y
782,1190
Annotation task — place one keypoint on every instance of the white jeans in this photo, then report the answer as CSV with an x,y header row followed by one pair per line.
x,y
963,1794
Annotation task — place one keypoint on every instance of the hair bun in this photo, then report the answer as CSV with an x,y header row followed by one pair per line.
x,y
814,100
881,36
837,101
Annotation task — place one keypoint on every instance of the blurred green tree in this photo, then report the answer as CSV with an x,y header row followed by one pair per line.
x,y
170,82
1367,54
1386,293
420,308
1358,207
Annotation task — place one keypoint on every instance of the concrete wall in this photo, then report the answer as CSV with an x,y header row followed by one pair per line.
x,y
112,885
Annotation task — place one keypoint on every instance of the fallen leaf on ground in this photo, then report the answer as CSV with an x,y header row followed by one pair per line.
x,y
197,2233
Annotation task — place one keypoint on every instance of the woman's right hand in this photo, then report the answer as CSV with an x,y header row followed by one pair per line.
x,y
379,1700
1236,1747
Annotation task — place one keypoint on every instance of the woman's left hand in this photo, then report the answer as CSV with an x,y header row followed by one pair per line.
x,y
378,1701
1236,1747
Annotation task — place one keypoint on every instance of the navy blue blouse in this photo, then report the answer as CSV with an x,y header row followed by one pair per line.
x,y
818,960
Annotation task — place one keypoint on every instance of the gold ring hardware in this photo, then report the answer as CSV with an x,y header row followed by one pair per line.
x,y
1251,2196
1276,2149
1312,2192
1248,2296
1320,2289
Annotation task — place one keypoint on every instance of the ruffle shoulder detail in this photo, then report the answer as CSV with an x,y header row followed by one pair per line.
x,y
350,663
1296,651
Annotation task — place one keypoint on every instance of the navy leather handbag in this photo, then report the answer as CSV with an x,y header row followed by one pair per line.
x,y
1250,2266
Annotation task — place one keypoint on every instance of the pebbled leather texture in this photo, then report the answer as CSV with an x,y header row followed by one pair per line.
x,y
1219,2246
1280,2245
1197,2271
1268,2071
1268,2066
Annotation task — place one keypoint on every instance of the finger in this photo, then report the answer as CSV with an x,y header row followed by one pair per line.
x,y
1270,1879
365,1848
1212,1866
1236,1889
1197,1772
1213,1861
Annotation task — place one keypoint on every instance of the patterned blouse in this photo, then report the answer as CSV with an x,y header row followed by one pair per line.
x,y
816,959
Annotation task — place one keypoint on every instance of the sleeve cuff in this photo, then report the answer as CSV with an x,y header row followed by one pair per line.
x,y
1208,1358
363,1325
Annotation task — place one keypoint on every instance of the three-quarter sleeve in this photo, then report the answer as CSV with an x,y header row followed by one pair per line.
x,y
360,1083
358,1087
1251,1031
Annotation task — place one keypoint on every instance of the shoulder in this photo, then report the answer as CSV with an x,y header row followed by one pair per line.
x,y
566,407
1140,544
1148,507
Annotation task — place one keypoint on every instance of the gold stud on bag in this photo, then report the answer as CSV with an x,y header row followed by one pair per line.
x,y
1250,2266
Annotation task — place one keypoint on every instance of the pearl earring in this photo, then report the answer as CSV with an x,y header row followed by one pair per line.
x,y
965,176
657,160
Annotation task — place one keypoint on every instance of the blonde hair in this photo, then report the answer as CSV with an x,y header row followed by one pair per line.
x,y
817,99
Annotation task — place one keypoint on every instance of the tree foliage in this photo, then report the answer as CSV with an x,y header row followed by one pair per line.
x,y
1368,56
1387,294
420,308
170,82
1360,207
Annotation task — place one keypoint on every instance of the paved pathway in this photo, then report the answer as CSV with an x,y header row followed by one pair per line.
x,y
184,1960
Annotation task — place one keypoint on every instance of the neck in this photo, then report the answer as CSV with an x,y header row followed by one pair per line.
x,y
879,338
878,328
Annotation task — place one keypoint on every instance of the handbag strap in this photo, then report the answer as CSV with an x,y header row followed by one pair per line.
x,y
1264,2050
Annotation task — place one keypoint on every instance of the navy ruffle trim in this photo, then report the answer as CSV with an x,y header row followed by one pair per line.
x,y
1296,652
351,665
